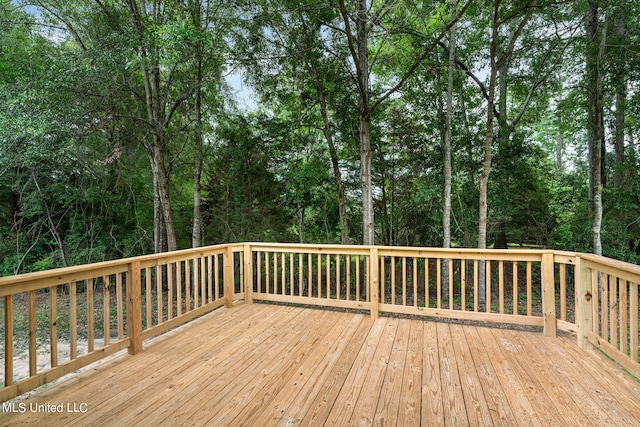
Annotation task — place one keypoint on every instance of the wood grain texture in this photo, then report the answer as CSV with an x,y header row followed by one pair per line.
x,y
271,365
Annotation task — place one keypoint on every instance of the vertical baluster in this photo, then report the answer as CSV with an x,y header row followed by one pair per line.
x,y
515,287
170,291
348,267
258,269
563,292
463,284
624,336
210,276
283,266
393,280
475,286
147,284
613,309
216,272
404,281
605,307
106,320
328,273
73,321
179,287
187,286
90,318
438,283
33,357
53,324
267,265
120,312
415,281
291,285
8,340
203,278
274,277
426,282
300,274
501,284
450,284
597,327
159,275
338,262
633,319
366,278
529,290
196,275
358,278
309,274
319,274
488,287
383,282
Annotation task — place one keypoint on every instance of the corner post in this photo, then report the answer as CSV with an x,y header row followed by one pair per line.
x,y
248,274
584,303
228,277
134,308
548,295
374,281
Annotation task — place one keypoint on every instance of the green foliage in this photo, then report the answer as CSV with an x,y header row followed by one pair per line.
x,y
243,196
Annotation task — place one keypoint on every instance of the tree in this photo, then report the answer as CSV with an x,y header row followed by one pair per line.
x,y
154,51
595,44
366,21
446,209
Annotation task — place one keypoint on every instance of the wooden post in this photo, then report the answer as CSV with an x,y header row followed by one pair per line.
x,y
374,282
228,277
584,303
548,295
248,274
134,308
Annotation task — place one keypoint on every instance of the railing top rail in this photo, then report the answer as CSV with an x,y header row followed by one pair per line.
x,y
11,284
79,272
365,248
614,267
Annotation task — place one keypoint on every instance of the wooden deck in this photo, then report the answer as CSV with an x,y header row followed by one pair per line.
x,y
264,365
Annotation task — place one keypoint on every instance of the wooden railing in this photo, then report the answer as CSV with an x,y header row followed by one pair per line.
x,y
612,310
79,315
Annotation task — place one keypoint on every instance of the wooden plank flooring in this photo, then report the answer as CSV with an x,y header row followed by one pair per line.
x,y
268,365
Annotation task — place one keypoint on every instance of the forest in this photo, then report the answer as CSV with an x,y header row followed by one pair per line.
x,y
141,126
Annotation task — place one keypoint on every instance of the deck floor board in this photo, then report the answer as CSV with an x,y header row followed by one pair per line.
x,y
269,365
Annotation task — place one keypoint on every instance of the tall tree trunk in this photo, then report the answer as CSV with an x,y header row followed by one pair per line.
x,y
483,180
496,65
196,234
368,237
621,100
503,136
446,208
359,53
156,118
158,224
165,199
594,52
337,175
358,49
